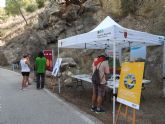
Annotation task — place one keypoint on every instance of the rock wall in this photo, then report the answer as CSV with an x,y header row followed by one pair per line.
x,y
3,61
112,6
154,67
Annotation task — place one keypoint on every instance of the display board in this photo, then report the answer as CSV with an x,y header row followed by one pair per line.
x,y
56,66
130,85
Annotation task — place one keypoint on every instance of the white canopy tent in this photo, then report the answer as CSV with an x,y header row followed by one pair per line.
x,y
110,35
105,33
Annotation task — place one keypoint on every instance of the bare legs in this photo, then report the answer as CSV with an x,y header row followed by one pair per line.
x,y
94,97
24,80
97,98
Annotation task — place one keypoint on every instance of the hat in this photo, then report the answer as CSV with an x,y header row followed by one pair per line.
x,y
102,55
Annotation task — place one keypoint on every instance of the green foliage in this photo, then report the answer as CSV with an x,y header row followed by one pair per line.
x,y
128,6
31,7
3,15
12,7
40,3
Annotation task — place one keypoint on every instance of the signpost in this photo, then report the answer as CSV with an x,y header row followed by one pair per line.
x,y
56,66
55,71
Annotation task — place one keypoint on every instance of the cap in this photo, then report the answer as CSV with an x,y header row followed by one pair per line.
x,y
102,55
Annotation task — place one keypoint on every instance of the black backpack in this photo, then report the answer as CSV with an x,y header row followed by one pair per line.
x,y
96,76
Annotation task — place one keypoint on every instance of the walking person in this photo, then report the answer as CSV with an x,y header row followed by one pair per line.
x,y
99,89
25,70
40,65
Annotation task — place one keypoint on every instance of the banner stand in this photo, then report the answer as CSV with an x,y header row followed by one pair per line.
x,y
55,80
125,114
56,73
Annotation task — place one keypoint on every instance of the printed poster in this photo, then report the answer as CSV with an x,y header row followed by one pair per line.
x,y
56,66
129,91
49,59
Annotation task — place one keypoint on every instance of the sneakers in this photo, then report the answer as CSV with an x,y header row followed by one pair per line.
x,y
100,111
93,109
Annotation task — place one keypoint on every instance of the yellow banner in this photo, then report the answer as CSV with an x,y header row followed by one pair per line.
x,y
130,85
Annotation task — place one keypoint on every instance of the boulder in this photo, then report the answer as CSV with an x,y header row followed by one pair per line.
x,y
70,13
43,21
69,61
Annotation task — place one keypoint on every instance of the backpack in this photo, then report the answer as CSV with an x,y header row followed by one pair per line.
x,y
96,76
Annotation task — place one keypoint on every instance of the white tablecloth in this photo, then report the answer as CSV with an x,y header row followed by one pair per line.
x,y
110,83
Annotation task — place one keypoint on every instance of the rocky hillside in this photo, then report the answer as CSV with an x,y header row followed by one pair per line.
x,y
57,22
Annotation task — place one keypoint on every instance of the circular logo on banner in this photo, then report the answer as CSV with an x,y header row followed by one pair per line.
x,y
129,81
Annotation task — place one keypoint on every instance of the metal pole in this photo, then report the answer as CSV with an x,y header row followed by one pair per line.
x,y
59,85
114,79
163,69
53,62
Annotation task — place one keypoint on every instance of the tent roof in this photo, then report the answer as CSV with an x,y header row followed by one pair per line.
x,y
107,32
107,22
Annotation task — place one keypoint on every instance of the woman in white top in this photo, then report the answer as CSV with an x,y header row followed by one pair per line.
x,y
25,70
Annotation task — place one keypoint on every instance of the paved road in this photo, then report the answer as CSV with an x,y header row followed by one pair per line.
x,y
35,106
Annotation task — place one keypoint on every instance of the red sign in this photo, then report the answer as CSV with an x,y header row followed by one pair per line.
x,y
49,59
125,34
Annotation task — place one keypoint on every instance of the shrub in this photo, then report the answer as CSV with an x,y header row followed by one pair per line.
x,y
31,8
12,7
40,3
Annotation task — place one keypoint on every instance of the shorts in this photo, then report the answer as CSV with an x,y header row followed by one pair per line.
x,y
99,90
25,73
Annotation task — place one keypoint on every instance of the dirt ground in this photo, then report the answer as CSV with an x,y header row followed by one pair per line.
x,y
152,107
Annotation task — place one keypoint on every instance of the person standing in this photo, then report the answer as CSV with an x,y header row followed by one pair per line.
x,y
40,64
25,70
99,90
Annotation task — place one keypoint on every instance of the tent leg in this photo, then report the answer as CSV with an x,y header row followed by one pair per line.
x,y
114,79
163,69
163,87
59,84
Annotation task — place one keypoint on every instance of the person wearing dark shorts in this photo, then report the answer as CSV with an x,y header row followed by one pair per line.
x,y
25,73
25,70
99,90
